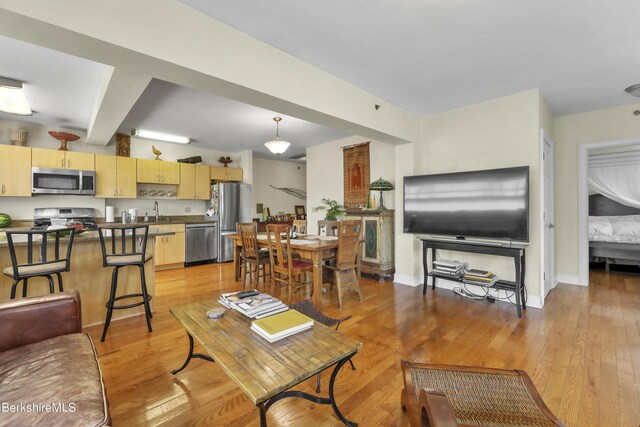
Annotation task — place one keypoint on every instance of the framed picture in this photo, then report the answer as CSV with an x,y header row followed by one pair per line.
x,y
259,207
300,212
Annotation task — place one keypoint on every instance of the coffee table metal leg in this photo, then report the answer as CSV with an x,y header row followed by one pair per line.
x,y
192,355
264,407
331,397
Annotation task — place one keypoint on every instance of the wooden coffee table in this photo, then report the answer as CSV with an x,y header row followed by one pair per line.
x,y
266,371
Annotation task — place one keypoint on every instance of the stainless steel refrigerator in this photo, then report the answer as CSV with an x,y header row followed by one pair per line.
x,y
231,203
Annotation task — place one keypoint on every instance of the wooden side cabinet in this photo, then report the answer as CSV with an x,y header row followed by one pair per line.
x,y
378,248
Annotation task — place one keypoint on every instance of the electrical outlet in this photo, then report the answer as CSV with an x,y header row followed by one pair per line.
x,y
187,209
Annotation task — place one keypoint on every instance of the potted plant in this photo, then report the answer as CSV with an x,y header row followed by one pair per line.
x,y
333,209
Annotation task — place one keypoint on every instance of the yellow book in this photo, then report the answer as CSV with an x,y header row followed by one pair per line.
x,y
283,322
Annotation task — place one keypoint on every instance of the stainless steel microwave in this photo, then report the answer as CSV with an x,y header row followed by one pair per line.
x,y
63,181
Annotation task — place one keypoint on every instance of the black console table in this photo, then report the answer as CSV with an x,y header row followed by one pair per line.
x,y
515,251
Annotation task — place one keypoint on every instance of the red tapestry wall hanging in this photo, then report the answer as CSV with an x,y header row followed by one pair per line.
x,y
356,175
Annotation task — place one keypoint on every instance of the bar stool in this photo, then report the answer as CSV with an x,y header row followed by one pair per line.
x,y
45,266
125,245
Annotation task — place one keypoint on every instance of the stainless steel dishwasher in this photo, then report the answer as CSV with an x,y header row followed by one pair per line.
x,y
201,243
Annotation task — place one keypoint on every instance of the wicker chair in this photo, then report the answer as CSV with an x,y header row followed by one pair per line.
x,y
308,309
346,265
450,395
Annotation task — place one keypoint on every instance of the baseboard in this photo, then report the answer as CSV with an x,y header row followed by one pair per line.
x,y
404,279
532,301
571,280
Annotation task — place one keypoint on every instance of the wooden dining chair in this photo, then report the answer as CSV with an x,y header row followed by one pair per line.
x,y
299,226
328,228
252,257
284,269
346,266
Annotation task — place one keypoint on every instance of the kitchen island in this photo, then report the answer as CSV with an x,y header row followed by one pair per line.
x,y
88,277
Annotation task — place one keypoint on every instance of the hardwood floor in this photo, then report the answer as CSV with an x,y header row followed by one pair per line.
x,y
582,351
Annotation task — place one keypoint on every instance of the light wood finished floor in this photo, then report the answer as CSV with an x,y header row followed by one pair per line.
x,y
582,351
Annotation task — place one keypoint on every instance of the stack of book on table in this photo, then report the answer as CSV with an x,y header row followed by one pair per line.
x,y
453,269
479,277
252,303
282,325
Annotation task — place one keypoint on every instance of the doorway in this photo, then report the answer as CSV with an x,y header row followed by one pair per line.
x,y
584,150
548,231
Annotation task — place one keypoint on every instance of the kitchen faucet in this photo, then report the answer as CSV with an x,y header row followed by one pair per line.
x,y
157,210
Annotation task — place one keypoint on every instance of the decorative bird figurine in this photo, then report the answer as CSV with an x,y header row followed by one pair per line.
x,y
225,160
156,152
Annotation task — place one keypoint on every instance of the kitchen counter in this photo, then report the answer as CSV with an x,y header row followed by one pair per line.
x,y
88,276
173,219
86,236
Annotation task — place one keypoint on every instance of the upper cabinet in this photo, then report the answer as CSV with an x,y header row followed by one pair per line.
x,y
194,182
158,172
15,171
115,177
43,158
220,173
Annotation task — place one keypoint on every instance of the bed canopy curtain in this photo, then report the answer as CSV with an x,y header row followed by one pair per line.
x,y
616,176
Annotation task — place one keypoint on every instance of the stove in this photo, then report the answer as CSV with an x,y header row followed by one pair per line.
x,y
45,217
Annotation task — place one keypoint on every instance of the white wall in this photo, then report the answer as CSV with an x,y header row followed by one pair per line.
x,y
280,174
325,172
22,207
571,131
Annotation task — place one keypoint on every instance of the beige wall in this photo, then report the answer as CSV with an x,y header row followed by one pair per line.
x,y
570,132
500,133
280,174
325,172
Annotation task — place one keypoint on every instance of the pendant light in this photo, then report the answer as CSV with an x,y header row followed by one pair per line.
x,y
277,145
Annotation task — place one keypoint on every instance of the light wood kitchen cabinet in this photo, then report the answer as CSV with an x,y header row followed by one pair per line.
x,y
115,177
43,158
158,172
170,250
220,173
15,171
194,182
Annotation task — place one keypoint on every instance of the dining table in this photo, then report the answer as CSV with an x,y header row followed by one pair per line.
x,y
309,247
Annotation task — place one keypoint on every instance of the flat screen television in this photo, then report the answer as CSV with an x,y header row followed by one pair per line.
x,y
490,204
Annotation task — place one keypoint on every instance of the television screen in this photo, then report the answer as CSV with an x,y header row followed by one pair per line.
x,y
492,204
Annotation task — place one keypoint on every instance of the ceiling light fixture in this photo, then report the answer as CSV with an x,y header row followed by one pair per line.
x,y
277,145
12,99
633,90
160,136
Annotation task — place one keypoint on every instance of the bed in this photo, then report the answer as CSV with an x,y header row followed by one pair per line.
x,y
614,232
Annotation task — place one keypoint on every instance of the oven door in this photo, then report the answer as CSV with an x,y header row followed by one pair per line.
x,y
62,181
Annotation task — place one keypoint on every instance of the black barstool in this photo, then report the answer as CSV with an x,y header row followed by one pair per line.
x,y
125,245
45,266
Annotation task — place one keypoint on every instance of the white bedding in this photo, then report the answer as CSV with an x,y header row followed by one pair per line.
x,y
618,229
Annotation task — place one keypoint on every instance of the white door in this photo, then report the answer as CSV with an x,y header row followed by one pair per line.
x,y
549,273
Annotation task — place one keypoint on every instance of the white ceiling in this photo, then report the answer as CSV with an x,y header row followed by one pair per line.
x,y
61,89
431,56
219,123
425,56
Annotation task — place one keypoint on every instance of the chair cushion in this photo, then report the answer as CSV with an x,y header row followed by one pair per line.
x,y
35,269
298,265
61,371
127,259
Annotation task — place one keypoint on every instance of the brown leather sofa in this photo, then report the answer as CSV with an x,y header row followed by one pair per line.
x,y
49,371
